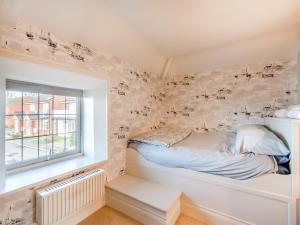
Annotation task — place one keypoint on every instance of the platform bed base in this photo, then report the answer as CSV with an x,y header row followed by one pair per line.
x,y
267,200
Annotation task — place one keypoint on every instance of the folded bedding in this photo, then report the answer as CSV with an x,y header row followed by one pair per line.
x,y
166,136
212,152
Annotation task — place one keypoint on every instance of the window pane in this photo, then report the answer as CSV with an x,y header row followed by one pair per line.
x,y
13,126
45,125
71,142
45,145
71,123
13,102
30,148
30,123
58,143
71,105
45,104
59,105
39,125
13,151
59,124
30,103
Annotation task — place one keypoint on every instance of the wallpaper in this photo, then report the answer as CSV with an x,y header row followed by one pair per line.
x,y
134,101
214,100
225,98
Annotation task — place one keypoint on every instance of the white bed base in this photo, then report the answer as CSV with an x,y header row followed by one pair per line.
x,y
266,200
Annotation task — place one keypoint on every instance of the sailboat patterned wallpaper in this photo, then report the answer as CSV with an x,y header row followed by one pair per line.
x,y
223,99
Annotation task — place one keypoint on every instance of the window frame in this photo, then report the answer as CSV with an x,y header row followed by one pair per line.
x,y
20,86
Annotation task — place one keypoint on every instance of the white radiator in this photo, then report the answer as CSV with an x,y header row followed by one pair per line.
x,y
61,200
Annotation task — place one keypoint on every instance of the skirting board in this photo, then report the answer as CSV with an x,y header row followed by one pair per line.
x,y
83,213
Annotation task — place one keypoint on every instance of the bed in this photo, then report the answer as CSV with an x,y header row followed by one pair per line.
x,y
211,153
269,199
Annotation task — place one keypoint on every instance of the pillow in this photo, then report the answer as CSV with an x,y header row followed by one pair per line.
x,y
258,139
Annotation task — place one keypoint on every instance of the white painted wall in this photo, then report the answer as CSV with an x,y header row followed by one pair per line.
x,y
95,122
274,46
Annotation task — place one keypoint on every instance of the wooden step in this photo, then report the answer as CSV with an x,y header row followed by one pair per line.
x,y
145,201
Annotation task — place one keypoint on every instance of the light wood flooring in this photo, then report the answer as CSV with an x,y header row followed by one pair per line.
x,y
109,216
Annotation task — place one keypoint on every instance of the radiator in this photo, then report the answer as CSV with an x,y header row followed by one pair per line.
x,y
63,199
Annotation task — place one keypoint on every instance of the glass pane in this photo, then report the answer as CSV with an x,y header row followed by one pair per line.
x,y
13,126
13,102
59,105
71,124
13,151
59,124
58,143
45,145
45,104
45,123
30,103
30,123
30,148
71,142
71,105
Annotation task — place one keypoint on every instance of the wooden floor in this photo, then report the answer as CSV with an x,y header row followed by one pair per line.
x,y
109,216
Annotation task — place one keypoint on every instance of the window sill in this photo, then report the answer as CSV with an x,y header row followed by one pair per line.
x,y
27,179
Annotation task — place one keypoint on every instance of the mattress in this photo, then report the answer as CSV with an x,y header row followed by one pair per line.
x,y
210,153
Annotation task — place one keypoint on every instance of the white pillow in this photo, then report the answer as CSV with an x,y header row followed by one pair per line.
x,y
259,140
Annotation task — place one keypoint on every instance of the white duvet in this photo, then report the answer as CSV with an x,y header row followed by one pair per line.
x,y
211,153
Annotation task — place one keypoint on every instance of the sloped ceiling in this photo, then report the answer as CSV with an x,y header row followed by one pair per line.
x,y
148,32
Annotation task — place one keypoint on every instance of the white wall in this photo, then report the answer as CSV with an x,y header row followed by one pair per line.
x,y
95,122
274,46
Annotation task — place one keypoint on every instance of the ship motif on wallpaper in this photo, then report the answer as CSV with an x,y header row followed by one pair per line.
x,y
141,112
158,125
133,78
10,220
121,89
220,94
244,112
269,71
185,81
266,111
158,97
226,98
185,111
122,132
76,51
203,128
145,77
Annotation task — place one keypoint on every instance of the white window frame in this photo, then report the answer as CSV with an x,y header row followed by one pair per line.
x,y
21,86
95,111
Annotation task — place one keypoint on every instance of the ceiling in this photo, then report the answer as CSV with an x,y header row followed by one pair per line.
x,y
150,31
178,27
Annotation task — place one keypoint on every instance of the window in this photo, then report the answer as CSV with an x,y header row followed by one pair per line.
x,y
41,123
